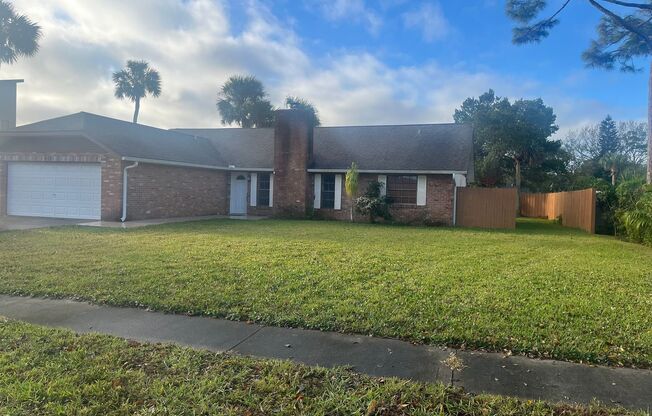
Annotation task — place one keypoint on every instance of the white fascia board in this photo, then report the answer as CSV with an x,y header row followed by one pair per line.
x,y
194,165
393,172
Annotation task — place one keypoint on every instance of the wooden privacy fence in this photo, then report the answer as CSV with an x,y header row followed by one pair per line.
x,y
486,207
576,208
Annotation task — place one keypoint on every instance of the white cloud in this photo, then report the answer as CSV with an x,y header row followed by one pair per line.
x,y
193,45
429,19
349,10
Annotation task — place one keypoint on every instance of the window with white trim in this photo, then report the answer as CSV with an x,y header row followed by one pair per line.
x,y
263,191
328,191
402,189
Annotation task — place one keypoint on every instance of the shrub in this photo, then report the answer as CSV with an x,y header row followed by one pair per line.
x,y
606,205
373,204
635,221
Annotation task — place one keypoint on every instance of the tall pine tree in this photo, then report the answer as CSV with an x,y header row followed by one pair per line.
x,y
623,41
608,137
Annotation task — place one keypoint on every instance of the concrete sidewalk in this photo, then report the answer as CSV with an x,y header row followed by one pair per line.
x,y
486,372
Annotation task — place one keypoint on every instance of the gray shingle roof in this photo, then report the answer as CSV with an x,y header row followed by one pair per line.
x,y
243,148
133,140
424,147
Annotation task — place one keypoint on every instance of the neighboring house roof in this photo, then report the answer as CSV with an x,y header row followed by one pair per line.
x,y
422,147
129,140
243,148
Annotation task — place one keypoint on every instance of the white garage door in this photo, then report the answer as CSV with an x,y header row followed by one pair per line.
x,y
60,190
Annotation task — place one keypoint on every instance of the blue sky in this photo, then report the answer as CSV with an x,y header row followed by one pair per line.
x,y
360,62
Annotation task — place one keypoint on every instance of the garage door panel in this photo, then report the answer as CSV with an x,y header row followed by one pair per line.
x,y
62,190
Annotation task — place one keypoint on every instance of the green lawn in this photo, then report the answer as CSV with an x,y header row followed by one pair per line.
x,y
55,372
541,290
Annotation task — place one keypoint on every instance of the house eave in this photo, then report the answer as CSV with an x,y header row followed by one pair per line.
x,y
194,165
394,172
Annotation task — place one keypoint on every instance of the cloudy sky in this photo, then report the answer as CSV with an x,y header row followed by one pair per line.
x,y
358,61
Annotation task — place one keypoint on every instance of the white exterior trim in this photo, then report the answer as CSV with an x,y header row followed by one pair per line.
x,y
421,190
460,180
393,172
194,165
455,203
317,203
338,192
271,190
383,189
253,190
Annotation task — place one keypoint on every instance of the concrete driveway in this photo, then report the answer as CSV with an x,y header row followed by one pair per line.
x,y
28,223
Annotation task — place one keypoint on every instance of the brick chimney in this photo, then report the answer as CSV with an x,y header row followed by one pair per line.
x,y
292,157
8,103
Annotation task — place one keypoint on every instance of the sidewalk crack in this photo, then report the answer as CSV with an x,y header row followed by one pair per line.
x,y
243,340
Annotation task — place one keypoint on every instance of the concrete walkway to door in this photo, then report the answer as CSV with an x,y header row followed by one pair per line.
x,y
486,372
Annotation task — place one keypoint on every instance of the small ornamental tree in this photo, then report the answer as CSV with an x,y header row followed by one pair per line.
x,y
373,203
351,185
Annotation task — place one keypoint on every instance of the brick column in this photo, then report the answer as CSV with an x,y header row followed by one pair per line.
x,y
111,188
292,156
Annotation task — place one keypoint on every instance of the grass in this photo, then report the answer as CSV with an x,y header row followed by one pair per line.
x,y
541,290
55,372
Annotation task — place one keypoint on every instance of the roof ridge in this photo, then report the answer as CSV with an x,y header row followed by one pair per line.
x,y
394,125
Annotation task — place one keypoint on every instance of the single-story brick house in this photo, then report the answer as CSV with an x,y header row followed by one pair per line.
x,y
92,167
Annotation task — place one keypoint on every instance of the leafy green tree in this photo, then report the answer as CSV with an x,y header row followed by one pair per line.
x,y
624,35
512,135
243,101
351,184
135,82
19,36
608,137
297,103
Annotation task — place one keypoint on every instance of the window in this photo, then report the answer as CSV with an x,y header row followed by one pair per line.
x,y
328,191
402,189
262,194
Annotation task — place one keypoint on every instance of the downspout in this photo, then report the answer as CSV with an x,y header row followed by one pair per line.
x,y
454,201
124,191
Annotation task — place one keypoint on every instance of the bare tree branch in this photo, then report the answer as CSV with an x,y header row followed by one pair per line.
x,y
546,21
551,18
628,4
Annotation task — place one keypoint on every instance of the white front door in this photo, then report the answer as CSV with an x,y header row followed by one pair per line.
x,y
238,194
60,190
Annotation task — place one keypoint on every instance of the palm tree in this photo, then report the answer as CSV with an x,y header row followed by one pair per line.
x,y
19,36
297,103
614,163
243,101
135,82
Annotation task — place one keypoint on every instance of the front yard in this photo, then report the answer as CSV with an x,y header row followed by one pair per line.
x,y
46,372
541,290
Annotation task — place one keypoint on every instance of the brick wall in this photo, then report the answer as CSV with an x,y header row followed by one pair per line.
x,y
111,188
292,153
111,176
158,191
438,210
